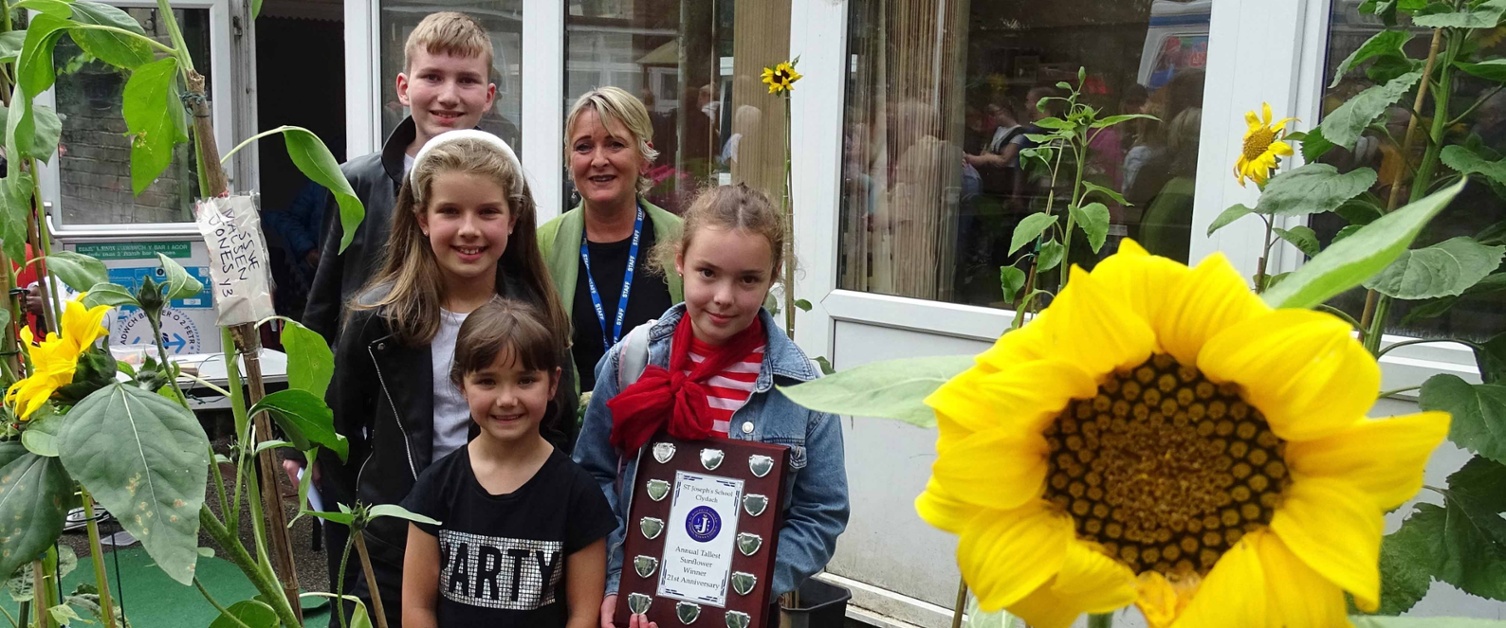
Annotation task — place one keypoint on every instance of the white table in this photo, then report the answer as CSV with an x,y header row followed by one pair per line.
x,y
211,367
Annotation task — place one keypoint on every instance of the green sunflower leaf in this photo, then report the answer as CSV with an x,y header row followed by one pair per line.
x,y
315,161
1490,69
77,270
1344,126
1466,161
1011,282
1229,215
310,362
1490,356
1351,261
1313,189
1093,218
1384,43
252,613
1302,237
894,389
1029,229
33,494
1406,566
1441,15
1052,253
1474,533
394,510
1314,145
1094,188
1479,412
1444,269
152,115
305,418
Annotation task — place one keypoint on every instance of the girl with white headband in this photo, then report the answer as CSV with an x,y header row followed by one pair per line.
x,y
463,234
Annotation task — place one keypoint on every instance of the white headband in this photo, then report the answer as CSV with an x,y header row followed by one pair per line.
x,y
462,134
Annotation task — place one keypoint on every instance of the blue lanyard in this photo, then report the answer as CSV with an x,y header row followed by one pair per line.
x,y
627,284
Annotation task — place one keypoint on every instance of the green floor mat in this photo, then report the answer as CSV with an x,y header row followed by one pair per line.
x,y
152,600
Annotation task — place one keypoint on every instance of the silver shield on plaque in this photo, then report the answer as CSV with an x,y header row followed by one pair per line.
x,y
743,582
645,565
657,490
755,503
687,612
736,619
651,527
663,452
712,458
638,603
748,543
760,464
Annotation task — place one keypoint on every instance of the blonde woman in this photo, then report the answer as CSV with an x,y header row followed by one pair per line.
x,y
597,253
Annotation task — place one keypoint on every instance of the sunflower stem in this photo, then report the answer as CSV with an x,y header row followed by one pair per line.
x,y
1396,391
1105,620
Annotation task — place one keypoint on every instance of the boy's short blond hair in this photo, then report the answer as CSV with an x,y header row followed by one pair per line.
x,y
448,32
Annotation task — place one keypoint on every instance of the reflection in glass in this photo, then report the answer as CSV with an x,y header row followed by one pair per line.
x,y
94,155
1475,317
503,20
944,97
695,64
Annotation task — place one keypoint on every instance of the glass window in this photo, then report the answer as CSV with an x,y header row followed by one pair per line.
x,y
1483,124
94,155
941,99
696,65
503,20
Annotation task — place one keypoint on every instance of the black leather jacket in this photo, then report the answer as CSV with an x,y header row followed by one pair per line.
x,y
383,399
376,179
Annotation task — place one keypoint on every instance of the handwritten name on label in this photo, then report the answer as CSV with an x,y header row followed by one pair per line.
x,y
237,259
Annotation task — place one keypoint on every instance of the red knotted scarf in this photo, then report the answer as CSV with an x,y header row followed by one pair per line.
x,y
673,396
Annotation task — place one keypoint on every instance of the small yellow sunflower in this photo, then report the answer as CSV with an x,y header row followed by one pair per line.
x,y
781,78
54,359
1263,147
1160,436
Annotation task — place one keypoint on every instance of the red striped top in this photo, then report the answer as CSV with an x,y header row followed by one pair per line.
x,y
730,389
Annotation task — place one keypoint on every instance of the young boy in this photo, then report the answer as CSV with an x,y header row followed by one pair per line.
x,y
444,84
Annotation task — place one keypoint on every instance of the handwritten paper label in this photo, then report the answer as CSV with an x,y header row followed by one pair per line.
x,y
237,259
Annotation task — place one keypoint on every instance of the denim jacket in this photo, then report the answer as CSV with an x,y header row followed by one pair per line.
x,y
815,508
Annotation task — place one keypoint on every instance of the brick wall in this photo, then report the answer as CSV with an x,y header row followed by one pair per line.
x,y
95,172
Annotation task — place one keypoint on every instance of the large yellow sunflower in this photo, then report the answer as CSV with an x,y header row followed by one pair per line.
x,y
1263,147
1161,436
54,359
781,78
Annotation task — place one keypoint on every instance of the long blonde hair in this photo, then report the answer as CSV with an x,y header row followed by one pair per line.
x,y
410,272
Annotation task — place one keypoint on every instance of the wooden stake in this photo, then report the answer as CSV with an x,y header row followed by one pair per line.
x,y
248,344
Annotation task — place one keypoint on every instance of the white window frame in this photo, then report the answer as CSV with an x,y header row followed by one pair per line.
x,y
222,108
1258,51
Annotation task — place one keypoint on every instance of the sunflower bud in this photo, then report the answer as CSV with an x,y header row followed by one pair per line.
x,y
150,297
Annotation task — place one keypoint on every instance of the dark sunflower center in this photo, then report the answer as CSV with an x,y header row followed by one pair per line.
x,y
1257,142
1164,468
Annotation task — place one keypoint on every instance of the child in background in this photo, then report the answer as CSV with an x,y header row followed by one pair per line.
x,y
463,233
522,538
714,362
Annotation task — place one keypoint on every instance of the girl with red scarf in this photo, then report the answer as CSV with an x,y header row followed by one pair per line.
x,y
713,365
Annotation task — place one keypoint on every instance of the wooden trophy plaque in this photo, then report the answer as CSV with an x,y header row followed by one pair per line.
x,y
701,533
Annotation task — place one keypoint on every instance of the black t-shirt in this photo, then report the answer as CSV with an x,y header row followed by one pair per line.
x,y
648,298
502,557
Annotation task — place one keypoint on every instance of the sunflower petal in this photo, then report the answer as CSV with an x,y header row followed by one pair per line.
x,y
939,509
1300,368
1252,120
1336,530
1090,327
1006,557
1089,582
1265,110
1213,298
1382,457
1279,148
1234,588
1299,597
1000,469
1141,279
1159,600
1022,397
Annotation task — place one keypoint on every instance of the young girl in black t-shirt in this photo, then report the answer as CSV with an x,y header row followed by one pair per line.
x,y
521,538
